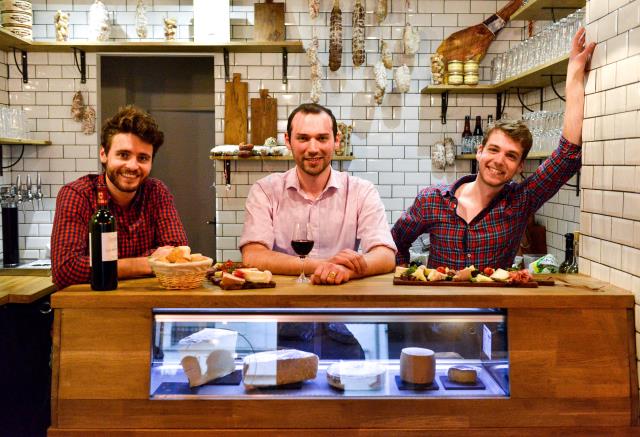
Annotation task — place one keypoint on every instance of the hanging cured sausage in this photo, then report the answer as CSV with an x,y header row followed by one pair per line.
x,y
357,42
335,37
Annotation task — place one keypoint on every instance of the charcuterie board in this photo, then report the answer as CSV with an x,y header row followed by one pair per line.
x,y
246,285
530,284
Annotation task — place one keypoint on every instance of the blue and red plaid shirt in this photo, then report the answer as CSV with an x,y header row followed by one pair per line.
x,y
150,221
492,238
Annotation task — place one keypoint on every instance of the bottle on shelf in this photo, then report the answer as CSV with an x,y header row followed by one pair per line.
x,y
490,123
467,136
570,264
477,133
103,245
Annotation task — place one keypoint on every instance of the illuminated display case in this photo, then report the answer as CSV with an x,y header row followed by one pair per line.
x,y
231,353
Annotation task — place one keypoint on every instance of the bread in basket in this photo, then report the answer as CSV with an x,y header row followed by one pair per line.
x,y
180,270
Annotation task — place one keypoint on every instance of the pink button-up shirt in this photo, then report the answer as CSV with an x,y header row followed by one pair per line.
x,y
347,215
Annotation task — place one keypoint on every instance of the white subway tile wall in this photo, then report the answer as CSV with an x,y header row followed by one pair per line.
x,y
610,217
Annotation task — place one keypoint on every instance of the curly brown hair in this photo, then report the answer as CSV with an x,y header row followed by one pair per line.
x,y
131,119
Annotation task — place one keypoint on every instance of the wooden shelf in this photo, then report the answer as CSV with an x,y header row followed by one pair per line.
x,y
271,158
24,141
534,78
472,156
547,9
9,41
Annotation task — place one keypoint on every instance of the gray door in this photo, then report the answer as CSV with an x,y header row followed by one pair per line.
x,y
178,92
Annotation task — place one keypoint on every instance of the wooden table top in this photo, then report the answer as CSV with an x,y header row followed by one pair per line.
x,y
24,289
570,291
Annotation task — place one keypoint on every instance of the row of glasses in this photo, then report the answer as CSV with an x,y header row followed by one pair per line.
x,y
550,43
546,128
14,123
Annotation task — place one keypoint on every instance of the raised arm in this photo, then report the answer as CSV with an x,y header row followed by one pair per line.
x,y
574,87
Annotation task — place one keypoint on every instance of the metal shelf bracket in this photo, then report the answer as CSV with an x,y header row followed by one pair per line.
x,y
82,66
553,87
285,61
225,56
444,105
24,71
525,106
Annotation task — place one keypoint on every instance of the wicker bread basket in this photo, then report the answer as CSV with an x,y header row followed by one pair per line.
x,y
180,276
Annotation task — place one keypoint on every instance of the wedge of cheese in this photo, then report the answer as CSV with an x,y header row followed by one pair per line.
x,y
284,366
500,275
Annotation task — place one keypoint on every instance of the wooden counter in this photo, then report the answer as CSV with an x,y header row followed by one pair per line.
x,y
24,289
572,366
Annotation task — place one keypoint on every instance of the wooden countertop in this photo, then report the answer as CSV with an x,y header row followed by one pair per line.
x,y
24,289
570,291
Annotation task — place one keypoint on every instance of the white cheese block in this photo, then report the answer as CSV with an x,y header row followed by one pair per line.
x,y
417,365
462,374
285,366
356,375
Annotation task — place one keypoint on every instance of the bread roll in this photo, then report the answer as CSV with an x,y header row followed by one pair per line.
x,y
417,365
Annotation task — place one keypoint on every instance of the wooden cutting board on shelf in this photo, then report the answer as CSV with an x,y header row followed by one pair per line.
x,y
236,99
268,21
264,118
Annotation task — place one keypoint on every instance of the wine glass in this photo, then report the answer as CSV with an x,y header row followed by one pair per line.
x,y
302,243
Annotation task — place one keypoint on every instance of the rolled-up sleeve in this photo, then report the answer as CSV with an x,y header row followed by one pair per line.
x,y
258,219
373,229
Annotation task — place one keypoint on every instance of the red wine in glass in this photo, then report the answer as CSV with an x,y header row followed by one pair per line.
x,y
302,243
302,247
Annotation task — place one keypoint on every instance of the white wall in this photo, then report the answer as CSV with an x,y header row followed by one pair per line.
x,y
610,209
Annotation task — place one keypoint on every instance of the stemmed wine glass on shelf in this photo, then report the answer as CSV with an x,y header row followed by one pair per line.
x,y
302,243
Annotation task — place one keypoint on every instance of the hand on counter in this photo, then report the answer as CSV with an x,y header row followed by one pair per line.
x,y
350,259
328,273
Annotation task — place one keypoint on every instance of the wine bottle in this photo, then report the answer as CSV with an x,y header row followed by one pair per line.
x,y
103,245
569,265
467,146
477,132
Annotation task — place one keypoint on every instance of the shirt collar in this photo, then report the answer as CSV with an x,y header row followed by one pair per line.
x,y
102,180
450,190
291,180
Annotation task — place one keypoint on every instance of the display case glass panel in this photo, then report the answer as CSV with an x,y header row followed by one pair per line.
x,y
328,353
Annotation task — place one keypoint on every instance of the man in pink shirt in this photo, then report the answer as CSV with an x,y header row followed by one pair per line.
x,y
344,212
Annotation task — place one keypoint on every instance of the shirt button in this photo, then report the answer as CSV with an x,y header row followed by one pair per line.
x,y
468,255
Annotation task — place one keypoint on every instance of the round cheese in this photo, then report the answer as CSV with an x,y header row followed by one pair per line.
x,y
356,375
417,365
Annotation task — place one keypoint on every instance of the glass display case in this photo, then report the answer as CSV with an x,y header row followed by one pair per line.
x,y
328,353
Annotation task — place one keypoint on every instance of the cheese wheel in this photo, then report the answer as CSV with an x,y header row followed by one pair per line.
x,y
417,365
462,374
356,375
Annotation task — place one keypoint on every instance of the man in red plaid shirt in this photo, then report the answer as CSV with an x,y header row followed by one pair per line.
x,y
146,217
480,219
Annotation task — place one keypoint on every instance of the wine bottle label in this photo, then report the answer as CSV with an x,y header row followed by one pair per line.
x,y
494,23
110,246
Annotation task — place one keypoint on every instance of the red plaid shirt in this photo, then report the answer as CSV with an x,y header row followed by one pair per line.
x,y
492,238
150,221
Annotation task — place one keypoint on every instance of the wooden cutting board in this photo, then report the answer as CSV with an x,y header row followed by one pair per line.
x,y
236,102
268,21
264,118
530,284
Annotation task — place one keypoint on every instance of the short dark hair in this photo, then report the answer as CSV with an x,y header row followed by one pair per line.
x,y
131,119
516,130
312,108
